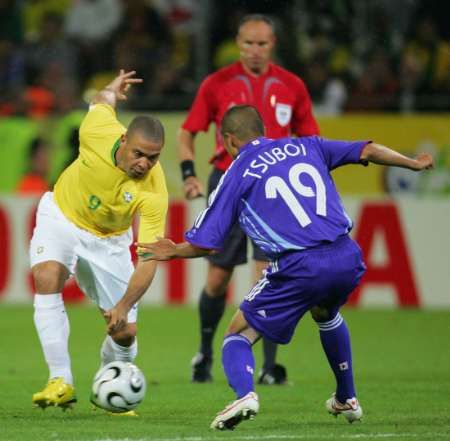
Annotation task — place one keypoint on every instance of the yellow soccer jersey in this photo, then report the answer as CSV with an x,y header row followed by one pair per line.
x,y
99,197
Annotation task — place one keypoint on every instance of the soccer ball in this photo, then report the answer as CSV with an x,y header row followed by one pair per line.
x,y
118,387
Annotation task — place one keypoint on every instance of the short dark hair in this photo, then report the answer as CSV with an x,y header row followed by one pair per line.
x,y
149,126
256,17
243,121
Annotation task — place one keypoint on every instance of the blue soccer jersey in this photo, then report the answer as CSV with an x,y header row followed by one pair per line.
x,y
282,194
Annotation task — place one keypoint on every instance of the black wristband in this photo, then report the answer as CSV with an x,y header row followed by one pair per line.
x,y
187,169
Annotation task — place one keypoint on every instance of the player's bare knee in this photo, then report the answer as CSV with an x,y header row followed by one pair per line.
x,y
238,324
49,277
320,314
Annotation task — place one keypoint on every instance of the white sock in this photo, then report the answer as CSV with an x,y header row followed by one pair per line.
x,y
53,329
107,354
124,353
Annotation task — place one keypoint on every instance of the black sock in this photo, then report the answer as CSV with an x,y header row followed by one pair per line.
x,y
211,310
270,354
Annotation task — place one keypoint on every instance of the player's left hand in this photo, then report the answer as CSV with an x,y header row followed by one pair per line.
x,y
162,249
117,319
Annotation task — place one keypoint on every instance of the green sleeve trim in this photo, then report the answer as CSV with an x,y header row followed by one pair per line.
x,y
145,255
114,151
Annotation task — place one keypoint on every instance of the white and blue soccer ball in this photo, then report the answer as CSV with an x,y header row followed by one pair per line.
x,y
118,387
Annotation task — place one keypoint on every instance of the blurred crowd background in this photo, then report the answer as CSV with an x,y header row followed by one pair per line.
x,y
372,55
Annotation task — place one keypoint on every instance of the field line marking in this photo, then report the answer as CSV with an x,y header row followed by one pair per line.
x,y
290,437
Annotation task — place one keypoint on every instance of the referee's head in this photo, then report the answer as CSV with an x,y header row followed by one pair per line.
x,y
240,125
256,41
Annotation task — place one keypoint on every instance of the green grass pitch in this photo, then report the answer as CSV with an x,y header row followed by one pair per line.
x,y
401,364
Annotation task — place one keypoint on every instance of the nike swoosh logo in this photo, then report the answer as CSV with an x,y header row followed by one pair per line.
x,y
85,163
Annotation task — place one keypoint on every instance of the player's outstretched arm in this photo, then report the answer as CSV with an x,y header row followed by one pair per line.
x,y
139,283
117,89
379,154
165,249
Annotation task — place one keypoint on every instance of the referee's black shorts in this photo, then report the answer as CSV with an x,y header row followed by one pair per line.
x,y
235,251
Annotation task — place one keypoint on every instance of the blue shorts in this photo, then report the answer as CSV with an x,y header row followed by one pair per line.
x,y
298,281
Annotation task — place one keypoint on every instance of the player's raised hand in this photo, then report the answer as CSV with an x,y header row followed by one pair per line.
x,y
162,249
192,188
122,83
424,161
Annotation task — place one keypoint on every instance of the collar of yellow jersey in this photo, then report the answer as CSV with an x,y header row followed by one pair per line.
x,y
114,151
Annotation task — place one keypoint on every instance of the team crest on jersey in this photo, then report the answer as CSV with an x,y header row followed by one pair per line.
x,y
283,113
127,196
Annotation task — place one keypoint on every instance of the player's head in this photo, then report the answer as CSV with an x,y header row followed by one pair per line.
x,y
240,125
256,40
140,146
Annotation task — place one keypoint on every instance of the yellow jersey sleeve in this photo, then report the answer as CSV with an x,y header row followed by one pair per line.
x,y
100,122
153,207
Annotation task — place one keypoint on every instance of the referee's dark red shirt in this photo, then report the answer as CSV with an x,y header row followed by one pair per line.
x,y
280,97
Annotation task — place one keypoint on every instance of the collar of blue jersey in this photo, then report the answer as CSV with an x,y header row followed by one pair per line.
x,y
114,149
252,144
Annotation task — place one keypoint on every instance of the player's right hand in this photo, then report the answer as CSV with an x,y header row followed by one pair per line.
x,y
162,249
424,161
122,83
192,188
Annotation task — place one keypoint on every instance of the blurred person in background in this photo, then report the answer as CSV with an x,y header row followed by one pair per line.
x,y
35,11
11,25
91,25
283,101
54,60
34,182
12,61
425,66
328,91
144,43
12,78
377,87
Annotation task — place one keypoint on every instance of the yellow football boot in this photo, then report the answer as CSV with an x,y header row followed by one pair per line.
x,y
130,413
55,394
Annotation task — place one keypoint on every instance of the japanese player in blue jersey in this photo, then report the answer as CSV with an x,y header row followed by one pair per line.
x,y
285,200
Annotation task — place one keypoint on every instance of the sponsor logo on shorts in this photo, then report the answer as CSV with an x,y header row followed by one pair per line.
x,y
249,369
40,250
127,196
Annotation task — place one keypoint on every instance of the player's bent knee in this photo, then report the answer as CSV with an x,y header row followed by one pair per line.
x,y
320,314
49,277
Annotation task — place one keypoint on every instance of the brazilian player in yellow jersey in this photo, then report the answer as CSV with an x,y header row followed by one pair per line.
x,y
84,228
